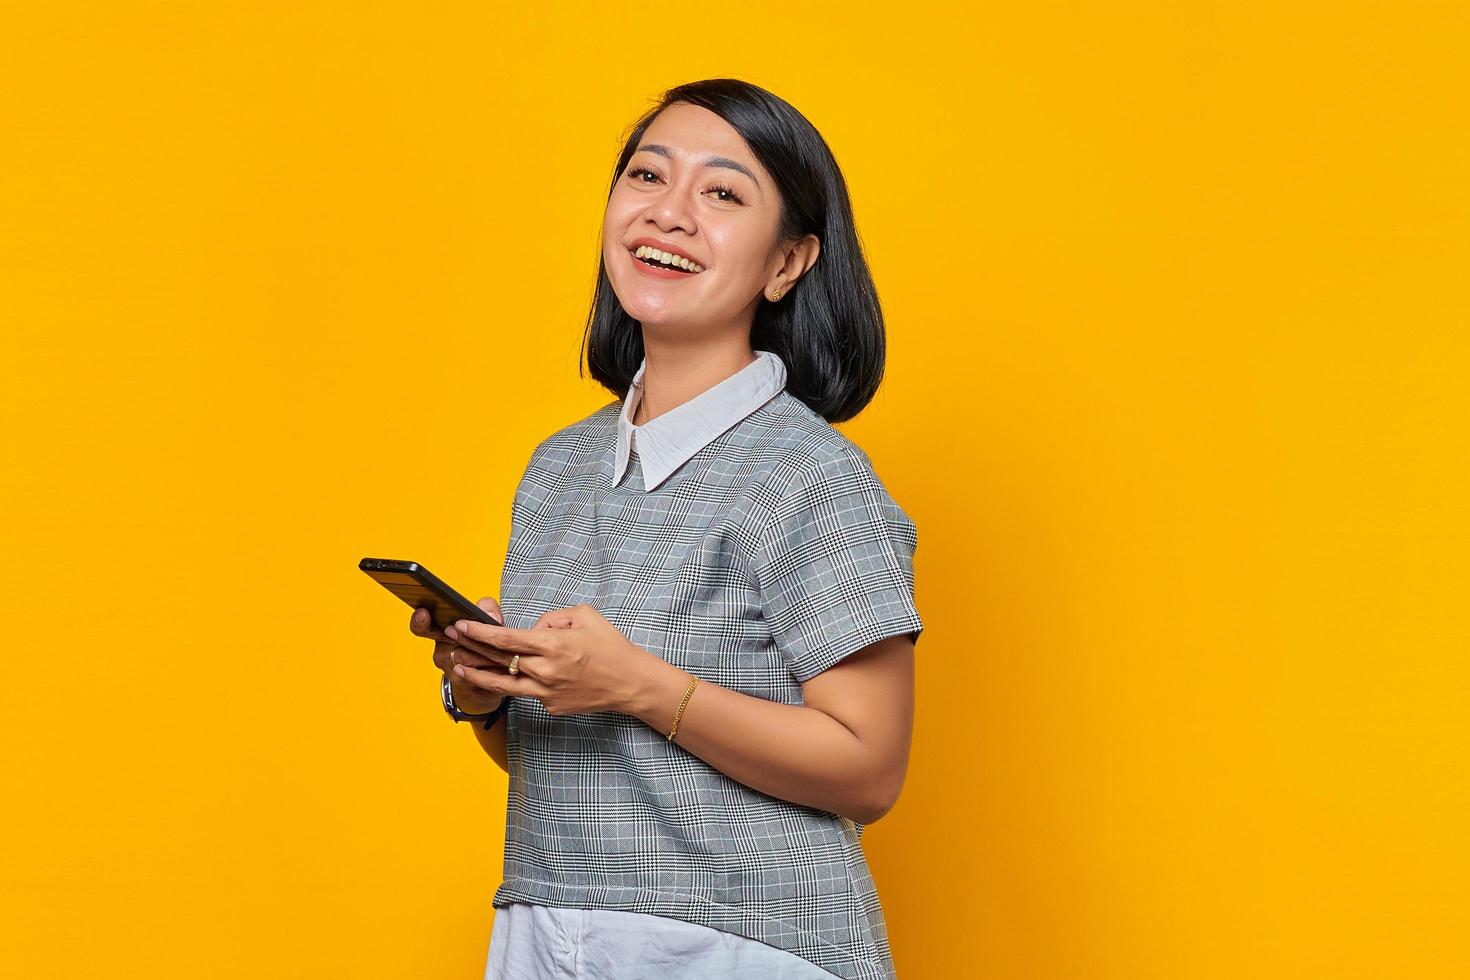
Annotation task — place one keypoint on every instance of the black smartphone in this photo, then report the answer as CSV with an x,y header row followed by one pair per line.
x,y
421,589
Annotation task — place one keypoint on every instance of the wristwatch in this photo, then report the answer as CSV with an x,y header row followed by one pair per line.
x,y
489,717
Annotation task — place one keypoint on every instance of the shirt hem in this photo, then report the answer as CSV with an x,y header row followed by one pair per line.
x,y
837,960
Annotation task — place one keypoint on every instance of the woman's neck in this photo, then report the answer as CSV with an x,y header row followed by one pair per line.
x,y
671,378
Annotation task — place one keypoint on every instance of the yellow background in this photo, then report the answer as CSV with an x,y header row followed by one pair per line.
x,y
1176,397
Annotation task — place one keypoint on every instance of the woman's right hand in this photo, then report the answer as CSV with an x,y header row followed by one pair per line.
x,y
467,697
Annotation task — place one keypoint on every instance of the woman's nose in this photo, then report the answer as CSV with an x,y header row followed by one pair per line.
x,y
673,209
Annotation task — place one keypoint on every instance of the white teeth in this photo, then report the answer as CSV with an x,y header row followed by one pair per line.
x,y
667,258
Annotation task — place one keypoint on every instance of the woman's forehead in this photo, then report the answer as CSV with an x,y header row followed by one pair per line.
x,y
695,132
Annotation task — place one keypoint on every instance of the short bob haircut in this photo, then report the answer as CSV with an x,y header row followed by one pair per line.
x,y
829,329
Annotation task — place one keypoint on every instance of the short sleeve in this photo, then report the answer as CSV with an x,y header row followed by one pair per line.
x,y
836,565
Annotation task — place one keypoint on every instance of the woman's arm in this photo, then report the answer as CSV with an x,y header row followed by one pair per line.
x,y
493,741
845,750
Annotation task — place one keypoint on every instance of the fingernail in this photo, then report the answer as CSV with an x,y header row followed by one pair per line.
x,y
459,670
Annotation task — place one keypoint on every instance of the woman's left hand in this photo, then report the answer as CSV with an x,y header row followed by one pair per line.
x,y
572,660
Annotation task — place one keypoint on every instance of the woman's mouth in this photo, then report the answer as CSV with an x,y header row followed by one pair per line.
x,y
663,265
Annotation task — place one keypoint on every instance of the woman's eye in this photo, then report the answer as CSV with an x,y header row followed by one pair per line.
x,y
733,196
636,172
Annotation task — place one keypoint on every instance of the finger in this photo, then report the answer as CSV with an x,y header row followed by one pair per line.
x,y
498,681
464,642
497,661
554,619
421,624
492,607
501,637
472,659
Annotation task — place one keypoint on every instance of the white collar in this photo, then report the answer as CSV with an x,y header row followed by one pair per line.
x,y
667,442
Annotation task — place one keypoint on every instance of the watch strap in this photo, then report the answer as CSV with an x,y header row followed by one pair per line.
x,y
488,717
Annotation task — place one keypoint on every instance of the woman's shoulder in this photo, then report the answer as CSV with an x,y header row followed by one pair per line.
x,y
586,436
806,458
804,441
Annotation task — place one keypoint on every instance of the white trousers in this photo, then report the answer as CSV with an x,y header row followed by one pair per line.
x,y
543,942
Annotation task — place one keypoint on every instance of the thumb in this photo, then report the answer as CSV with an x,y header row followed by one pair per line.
x,y
492,607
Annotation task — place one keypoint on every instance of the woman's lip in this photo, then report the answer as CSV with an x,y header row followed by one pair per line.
x,y
653,273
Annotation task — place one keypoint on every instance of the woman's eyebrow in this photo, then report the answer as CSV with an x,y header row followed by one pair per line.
x,y
664,151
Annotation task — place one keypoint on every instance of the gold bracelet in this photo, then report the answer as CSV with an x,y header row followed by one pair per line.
x,y
680,713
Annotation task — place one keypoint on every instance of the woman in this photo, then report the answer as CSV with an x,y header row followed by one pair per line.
x,y
706,667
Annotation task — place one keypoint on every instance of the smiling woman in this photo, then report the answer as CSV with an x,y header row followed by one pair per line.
x,y
707,599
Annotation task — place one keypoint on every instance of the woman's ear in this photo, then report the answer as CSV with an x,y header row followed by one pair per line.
x,y
799,257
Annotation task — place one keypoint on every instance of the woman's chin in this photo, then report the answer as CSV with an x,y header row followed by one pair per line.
x,y
647,307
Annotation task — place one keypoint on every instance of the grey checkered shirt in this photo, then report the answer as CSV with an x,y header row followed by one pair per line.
x,y
741,538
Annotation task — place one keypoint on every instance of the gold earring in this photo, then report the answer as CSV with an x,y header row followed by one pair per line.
x,y
778,295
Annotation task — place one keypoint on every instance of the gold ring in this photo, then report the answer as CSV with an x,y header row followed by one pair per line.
x,y
513,662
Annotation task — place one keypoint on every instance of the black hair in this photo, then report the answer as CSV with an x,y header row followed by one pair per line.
x,y
828,329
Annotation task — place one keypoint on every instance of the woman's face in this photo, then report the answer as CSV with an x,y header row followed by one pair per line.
x,y
693,188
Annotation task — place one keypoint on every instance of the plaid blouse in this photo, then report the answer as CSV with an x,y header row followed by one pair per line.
x,y
741,538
